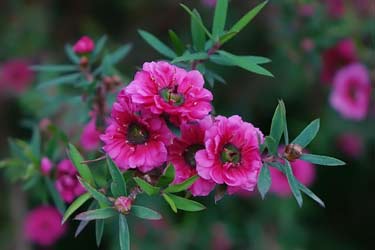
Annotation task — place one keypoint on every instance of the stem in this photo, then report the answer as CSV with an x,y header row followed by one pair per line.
x,y
212,50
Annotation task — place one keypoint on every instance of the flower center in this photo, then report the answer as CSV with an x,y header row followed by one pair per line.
x,y
230,154
352,91
137,134
189,154
172,96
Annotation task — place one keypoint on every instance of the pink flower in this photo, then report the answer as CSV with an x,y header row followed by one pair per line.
x,y
303,171
134,137
335,8
351,144
43,226
351,92
123,204
306,10
231,155
84,45
90,135
15,75
45,166
342,54
182,155
163,88
307,44
67,183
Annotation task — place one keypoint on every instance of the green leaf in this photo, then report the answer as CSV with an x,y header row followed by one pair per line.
x,y
119,54
197,33
277,125
181,186
71,78
244,63
99,229
167,177
313,196
146,187
308,134
55,68
77,203
36,142
220,17
246,19
99,45
157,44
264,180
118,186
95,194
59,203
83,223
271,145
170,202
178,45
197,19
97,214
82,169
70,54
227,36
186,204
322,160
293,183
283,113
124,233
191,57
145,213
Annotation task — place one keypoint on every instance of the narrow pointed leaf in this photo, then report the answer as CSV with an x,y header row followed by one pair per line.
x,y
196,18
70,54
36,142
99,229
82,169
66,79
197,33
59,203
322,160
271,145
97,214
99,45
186,204
118,186
220,17
94,193
77,203
170,202
178,45
283,112
293,183
157,44
119,54
54,68
146,187
227,36
145,213
313,196
264,180
124,236
83,223
181,186
308,134
277,125
167,177
191,57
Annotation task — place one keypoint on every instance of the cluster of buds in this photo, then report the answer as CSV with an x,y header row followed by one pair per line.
x,y
111,82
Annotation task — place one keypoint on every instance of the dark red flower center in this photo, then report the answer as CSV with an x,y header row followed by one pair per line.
x,y
230,154
189,154
137,134
171,96
352,91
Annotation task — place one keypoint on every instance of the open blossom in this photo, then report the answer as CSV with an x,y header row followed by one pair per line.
x,y
84,45
15,75
163,88
340,55
182,155
135,138
90,135
351,92
43,226
45,166
302,170
231,155
67,183
351,144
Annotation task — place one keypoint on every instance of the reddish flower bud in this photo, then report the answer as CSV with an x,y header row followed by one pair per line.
x,y
84,45
293,152
123,204
45,166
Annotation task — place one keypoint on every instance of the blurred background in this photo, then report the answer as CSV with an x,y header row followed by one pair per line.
x,y
308,43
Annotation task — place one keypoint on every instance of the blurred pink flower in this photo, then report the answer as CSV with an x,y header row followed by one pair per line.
x,y
306,9
90,135
67,183
15,75
350,144
209,3
343,53
84,45
135,138
45,166
351,92
303,171
231,155
182,155
43,226
307,44
163,88
335,8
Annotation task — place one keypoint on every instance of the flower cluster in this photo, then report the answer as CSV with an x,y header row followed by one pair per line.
x,y
219,150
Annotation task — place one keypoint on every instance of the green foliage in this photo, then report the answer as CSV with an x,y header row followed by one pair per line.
x,y
146,187
118,186
59,203
99,230
181,186
76,204
186,204
220,17
157,44
82,169
308,134
322,160
97,214
167,177
170,202
145,213
264,180
293,183
101,198
277,124
124,237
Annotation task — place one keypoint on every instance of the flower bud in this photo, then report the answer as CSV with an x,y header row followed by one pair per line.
x,y
45,166
293,152
84,45
123,204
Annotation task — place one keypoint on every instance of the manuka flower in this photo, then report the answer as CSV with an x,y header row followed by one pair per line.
x,y
165,89
135,138
84,45
231,155
16,75
182,155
